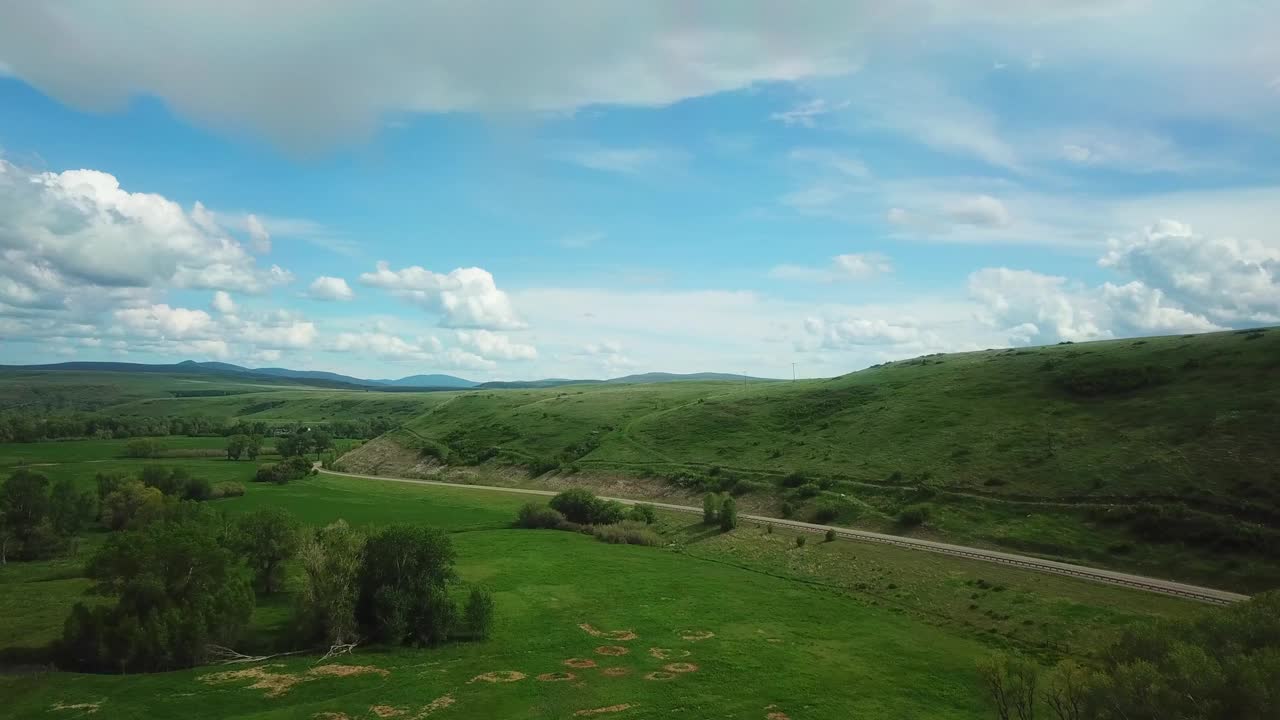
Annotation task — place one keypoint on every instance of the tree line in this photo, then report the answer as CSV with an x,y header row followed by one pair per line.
x,y
25,428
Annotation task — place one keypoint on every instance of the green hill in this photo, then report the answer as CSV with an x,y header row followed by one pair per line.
x,y
1118,452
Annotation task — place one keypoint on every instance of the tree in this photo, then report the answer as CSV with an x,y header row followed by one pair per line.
x,y
132,506
643,513
331,563
236,446
143,448
478,615
404,575
1011,684
710,509
320,441
1068,692
576,504
253,446
167,480
70,510
24,504
177,591
728,514
293,445
267,538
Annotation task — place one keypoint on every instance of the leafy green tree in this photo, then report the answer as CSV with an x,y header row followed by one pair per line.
x,y
236,446
132,506
168,480
331,562
1011,684
70,510
728,514
478,614
253,446
643,513
581,506
320,441
710,509
404,576
143,448
267,538
108,483
24,501
177,590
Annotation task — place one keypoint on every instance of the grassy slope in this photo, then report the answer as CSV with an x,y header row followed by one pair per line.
x,y
830,630
1009,456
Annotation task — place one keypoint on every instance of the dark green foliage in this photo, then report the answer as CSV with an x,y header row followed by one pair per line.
x,y
1179,524
536,515
143,448
177,590
478,614
541,466
628,532
913,515
403,583
70,510
808,490
1114,380
236,446
788,509
108,483
291,468
794,479
728,514
330,559
226,490
710,509
132,506
831,536
197,489
168,480
825,512
266,539
801,540
24,507
643,513
581,506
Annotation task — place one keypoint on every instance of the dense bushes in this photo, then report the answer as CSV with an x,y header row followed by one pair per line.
x,y
1098,382
583,507
226,490
477,616
1176,523
914,515
1222,665
331,558
36,518
643,513
536,516
627,532
403,586
282,472
266,538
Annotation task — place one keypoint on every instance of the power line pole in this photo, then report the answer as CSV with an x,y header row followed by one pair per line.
x,y
793,372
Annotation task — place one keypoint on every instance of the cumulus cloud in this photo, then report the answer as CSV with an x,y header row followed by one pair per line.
x,y
330,288
465,298
1228,279
223,303
978,210
258,234
395,348
843,268
79,230
493,346
162,321
844,332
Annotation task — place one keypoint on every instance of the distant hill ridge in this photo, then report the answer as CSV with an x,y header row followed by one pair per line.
x,y
321,377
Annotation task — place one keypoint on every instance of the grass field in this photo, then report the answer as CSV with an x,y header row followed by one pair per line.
x,y
829,630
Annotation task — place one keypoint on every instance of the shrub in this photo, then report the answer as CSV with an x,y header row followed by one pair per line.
x,y
132,506
808,490
1096,382
197,489
913,515
643,513
768,529
801,540
541,466
793,479
477,617
728,515
710,508
226,490
536,515
267,538
291,468
628,533
825,513
169,481
143,448
581,506
831,535
788,509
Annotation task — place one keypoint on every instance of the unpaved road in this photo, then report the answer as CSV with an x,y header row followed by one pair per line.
x,y
1165,587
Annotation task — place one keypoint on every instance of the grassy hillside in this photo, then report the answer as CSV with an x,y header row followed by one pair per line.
x,y
1106,446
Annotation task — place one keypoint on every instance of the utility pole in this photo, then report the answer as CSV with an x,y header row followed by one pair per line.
x,y
793,372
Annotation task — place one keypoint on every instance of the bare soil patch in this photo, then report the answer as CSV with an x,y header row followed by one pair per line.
x,y
660,676
616,672
499,676
580,663
557,677
619,635
439,703
774,713
604,710
330,716
346,670
696,635
667,653
386,711
84,708
612,650
272,684
680,668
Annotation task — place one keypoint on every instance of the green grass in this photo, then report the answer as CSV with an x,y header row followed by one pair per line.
x,y
831,630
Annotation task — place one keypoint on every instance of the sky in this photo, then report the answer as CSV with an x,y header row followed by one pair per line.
x,y
580,189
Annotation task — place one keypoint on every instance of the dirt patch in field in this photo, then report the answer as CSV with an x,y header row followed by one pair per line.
x,y
346,670
386,711
272,684
330,716
604,710
612,650
386,456
660,676
580,663
439,703
616,672
557,677
696,635
84,708
619,635
499,676
775,713
680,668
667,653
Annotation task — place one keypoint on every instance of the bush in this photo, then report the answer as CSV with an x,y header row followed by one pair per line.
x,y
132,506
831,536
291,468
710,509
267,539
581,506
477,617
808,490
825,513
1097,382
913,515
143,448
628,532
226,490
403,585
197,489
643,513
728,515
169,481
801,540
541,466
788,509
536,515
794,479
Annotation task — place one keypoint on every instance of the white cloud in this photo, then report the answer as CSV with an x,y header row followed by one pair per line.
x,y
428,351
258,234
330,288
843,268
625,160
162,321
465,297
223,303
493,346
842,333
977,210
806,114
79,231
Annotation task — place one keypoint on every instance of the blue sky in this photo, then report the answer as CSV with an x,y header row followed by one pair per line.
x,y
587,190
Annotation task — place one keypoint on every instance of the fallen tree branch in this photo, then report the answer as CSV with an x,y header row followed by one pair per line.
x,y
226,656
339,649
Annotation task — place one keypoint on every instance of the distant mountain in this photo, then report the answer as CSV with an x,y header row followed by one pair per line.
x,y
549,382
662,377
435,381
311,375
